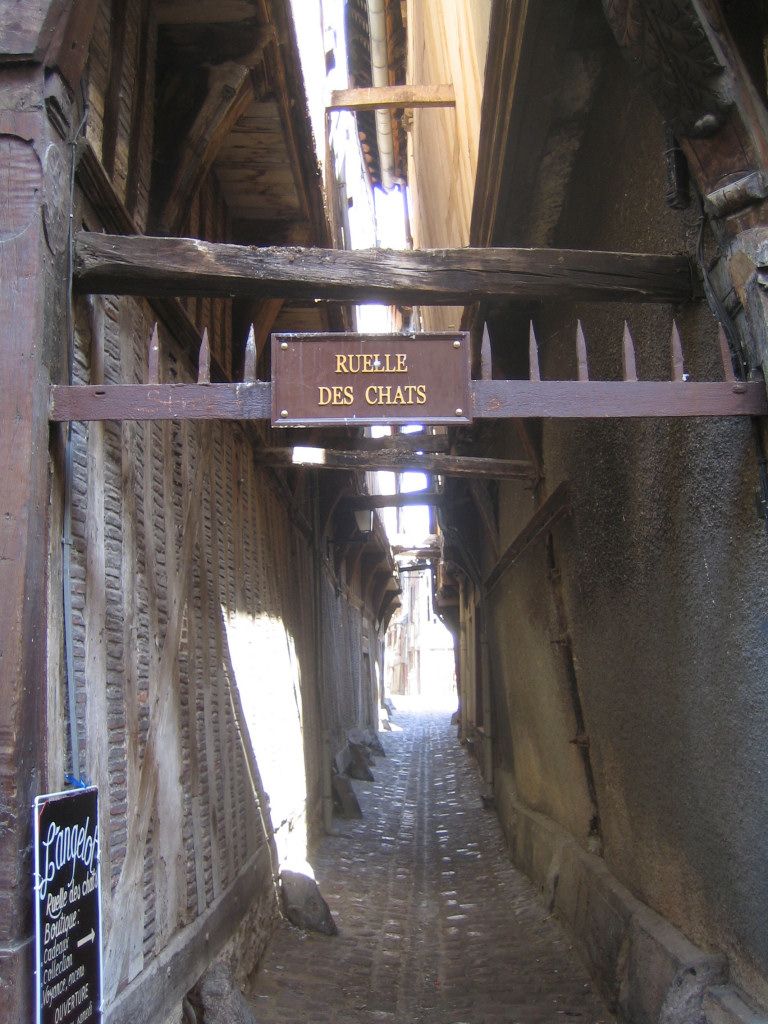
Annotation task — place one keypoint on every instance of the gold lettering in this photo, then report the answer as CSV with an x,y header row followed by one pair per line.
x,y
349,395
341,363
399,398
401,365
370,394
367,362
421,394
325,396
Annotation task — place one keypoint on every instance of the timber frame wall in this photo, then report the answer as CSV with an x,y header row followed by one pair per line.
x,y
178,537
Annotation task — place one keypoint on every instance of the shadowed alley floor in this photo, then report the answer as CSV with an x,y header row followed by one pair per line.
x,y
435,924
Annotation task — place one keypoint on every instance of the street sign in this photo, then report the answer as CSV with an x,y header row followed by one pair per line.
x,y
67,907
368,379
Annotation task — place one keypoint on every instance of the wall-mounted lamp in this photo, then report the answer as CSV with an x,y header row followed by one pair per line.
x,y
364,519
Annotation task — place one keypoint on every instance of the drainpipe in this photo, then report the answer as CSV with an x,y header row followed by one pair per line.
x,y
377,27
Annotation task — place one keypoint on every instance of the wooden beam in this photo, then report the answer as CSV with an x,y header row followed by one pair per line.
x,y
421,442
447,465
555,507
393,97
250,401
367,501
605,399
497,399
140,265
228,97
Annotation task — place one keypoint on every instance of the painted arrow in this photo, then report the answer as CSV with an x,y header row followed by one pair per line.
x,y
86,938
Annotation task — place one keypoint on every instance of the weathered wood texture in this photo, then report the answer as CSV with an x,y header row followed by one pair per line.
x,y
393,97
162,402
31,318
416,442
557,505
366,501
492,399
394,462
113,264
606,398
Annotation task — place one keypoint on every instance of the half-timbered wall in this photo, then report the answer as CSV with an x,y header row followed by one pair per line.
x,y
213,654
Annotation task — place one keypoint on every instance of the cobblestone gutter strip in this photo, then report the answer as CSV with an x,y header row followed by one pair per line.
x,y
647,971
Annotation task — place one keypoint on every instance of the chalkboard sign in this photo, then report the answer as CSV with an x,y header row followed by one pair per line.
x,y
67,907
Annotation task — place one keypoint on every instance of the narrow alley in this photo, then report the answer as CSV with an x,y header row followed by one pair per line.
x,y
435,923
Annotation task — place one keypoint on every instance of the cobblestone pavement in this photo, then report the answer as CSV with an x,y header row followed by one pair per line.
x,y
435,924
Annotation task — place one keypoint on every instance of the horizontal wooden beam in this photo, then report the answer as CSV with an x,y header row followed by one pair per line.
x,y
421,442
367,501
161,402
141,265
394,462
393,97
604,399
555,507
496,399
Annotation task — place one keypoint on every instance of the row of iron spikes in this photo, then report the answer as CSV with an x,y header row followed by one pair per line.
x,y
629,365
204,359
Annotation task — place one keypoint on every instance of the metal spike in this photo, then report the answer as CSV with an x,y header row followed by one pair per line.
x,y
678,366
153,361
725,354
534,372
249,365
628,355
486,371
204,360
581,353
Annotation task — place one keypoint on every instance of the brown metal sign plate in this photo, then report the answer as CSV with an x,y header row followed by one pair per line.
x,y
368,379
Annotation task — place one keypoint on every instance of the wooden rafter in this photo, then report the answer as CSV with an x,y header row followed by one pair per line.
x,y
112,264
392,462
229,93
368,501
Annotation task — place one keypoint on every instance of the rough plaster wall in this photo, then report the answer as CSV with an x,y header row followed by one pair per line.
x,y
663,567
447,42
536,743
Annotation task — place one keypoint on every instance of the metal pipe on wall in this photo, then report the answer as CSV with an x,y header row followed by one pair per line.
x,y
377,26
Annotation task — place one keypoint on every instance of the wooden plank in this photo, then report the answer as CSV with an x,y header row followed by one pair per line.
x,y
142,265
555,507
366,501
497,399
162,402
393,97
393,462
604,399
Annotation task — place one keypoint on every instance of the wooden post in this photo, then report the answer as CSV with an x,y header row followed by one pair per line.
x,y
34,203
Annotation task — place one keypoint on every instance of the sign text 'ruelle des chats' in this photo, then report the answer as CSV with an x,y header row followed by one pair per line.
x,y
370,379
67,908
